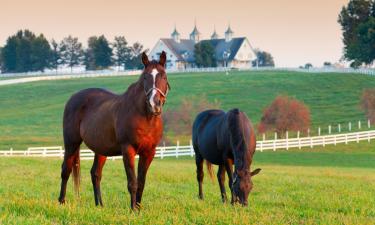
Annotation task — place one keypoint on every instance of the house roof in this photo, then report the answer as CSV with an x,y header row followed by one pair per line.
x,y
184,50
221,46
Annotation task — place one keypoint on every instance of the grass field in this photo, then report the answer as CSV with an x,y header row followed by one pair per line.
x,y
31,113
333,185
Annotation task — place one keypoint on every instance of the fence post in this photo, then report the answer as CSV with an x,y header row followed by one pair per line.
x,y
319,131
350,126
359,124
334,139
11,151
261,146
264,136
368,123
191,149
308,132
329,129
368,136
299,140
274,142
311,144
162,150
287,141
357,137
44,152
339,128
324,141
178,144
346,138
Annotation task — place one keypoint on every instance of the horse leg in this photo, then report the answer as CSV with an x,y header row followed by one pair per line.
x,y
96,177
128,155
70,157
199,162
229,169
143,165
221,179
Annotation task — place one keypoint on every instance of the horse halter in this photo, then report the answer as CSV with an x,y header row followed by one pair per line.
x,y
158,90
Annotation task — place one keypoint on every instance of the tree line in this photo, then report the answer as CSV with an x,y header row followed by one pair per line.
x,y
25,52
357,21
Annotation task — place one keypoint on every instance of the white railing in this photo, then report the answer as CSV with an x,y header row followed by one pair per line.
x,y
187,150
100,73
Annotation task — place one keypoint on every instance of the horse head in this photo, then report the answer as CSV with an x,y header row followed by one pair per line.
x,y
242,185
155,83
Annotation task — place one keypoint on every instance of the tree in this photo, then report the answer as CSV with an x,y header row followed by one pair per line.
x,y
135,61
1,59
98,54
25,52
308,66
9,55
71,52
327,64
355,20
179,121
264,59
40,53
368,104
285,114
204,54
122,53
55,58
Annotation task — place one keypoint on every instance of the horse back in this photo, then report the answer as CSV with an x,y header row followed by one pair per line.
x,y
83,113
205,135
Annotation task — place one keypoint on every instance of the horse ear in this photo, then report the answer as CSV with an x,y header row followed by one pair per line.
x,y
255,172
145,59
163,58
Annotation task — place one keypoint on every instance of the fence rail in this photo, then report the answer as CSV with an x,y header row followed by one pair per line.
x,y
187,150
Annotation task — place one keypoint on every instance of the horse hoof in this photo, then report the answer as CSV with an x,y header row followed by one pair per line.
x,y
62,202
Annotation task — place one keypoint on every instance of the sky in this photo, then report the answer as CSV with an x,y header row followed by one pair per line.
x,y
295,32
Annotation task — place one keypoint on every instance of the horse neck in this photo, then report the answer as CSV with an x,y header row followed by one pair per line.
x,y
239,143
135,98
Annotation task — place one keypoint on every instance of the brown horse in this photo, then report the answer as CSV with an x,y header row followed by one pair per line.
x,y
225,139
111,124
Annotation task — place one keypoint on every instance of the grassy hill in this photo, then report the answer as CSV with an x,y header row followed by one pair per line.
x,y
294,187
31,113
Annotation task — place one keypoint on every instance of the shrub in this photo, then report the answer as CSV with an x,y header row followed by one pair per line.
x,y
368,104
285,114
179,121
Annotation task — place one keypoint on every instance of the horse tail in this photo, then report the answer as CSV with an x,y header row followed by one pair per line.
x,y
76,172
210,170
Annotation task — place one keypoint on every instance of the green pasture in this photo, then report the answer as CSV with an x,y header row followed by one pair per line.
x,y
333,185
31,113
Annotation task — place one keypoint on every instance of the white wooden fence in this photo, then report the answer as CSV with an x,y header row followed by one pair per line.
x,y
187,150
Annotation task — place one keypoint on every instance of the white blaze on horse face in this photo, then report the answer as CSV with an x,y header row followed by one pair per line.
x,y
153,93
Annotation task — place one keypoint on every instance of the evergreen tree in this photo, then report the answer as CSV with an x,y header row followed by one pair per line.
x,y
40,53
135,60
264,59
55,59
98,54
9,55
25,52
204,54
71,52
357,26
122,53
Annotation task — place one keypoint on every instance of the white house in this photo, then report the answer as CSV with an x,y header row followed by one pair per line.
x,y
229,51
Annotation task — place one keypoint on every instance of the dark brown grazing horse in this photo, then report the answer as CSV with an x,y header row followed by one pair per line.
x,y
111,125
223,138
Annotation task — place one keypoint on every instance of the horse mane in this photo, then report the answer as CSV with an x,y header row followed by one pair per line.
x,y
236,133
